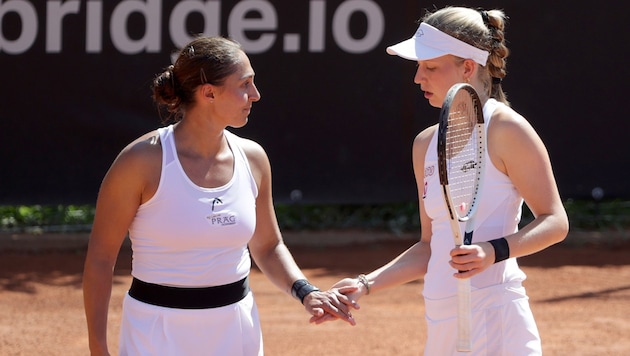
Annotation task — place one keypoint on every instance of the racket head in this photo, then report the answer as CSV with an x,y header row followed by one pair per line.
x,y
461,150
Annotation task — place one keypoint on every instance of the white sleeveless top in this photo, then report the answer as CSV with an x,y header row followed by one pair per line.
x,y
191,236
498,214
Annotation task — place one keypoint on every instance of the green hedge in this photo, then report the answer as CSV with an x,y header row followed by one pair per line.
x,y
395,217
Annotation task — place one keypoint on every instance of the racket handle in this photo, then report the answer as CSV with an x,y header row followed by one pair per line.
x,y
464,316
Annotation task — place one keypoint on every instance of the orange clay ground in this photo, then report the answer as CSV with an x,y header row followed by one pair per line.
x,y
580,296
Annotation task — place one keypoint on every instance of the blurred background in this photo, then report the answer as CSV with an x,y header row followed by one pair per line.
x,y
337,116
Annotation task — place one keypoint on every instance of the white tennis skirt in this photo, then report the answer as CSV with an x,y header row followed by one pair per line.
x,y
232,330
502,324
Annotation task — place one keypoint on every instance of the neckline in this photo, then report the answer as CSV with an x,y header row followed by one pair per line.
x,y
229,183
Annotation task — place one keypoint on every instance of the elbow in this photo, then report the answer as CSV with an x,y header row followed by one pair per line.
x,y
562,227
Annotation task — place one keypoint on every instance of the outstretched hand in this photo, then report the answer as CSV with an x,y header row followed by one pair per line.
x,y
348,290
331,304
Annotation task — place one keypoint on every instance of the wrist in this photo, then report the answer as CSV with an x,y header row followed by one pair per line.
x,y
501,249
364,282
301,288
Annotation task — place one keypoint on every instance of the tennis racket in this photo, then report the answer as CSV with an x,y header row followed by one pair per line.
x,y
461,152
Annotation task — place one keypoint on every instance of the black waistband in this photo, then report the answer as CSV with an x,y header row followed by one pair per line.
x,y
189,298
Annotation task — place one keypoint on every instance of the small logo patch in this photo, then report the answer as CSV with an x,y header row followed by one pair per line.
x,y
468,166
222,219
219,218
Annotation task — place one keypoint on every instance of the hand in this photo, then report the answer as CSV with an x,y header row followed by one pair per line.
x,y
331,305
356,292
471,260
352,290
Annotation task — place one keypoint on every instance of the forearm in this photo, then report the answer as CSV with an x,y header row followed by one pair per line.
x,y
542,232
408,266
97,288
279,266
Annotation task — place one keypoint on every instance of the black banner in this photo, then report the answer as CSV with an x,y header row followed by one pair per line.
x,y
337,115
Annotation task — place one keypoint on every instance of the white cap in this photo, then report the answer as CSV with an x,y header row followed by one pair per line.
x,y
428,42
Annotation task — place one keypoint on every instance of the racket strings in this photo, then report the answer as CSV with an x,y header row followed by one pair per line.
x,y
462,147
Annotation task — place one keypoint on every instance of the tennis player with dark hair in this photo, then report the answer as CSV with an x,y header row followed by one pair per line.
x,y
463,45
196,202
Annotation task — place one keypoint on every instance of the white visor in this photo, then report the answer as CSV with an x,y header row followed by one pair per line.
x,y
429,43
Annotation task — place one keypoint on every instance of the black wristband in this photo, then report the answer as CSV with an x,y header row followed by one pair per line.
x,y
301,288
501,249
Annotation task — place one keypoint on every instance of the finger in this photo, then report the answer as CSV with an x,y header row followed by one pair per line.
x,y
348,289
343,282
463,262
317,312
335,307
338,302
344,315
322,319
460,275
350,320
463,274
349,301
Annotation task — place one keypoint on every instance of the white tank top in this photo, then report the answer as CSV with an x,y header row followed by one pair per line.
x,y
187,235
498,214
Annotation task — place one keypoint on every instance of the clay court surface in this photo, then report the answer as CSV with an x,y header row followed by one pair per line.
x,y
580,295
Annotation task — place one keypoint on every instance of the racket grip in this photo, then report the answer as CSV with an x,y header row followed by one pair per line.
x,y
464,316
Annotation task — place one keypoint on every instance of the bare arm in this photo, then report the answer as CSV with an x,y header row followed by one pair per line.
x,y
411,264
522,153
516,149
120,195
269,251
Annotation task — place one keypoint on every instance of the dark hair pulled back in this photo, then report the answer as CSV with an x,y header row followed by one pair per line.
x,y
205,60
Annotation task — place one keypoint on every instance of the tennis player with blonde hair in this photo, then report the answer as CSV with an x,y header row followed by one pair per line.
x,y
464,45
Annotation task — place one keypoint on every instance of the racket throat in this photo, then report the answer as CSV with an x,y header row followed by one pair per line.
x,y
468,236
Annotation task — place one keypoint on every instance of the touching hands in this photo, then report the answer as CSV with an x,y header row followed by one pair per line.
x,y
331,305
347,290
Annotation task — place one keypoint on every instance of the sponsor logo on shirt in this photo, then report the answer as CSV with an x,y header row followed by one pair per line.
x,y
428,172
219,218
222,219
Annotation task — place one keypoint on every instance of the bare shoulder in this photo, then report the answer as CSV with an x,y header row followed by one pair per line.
x,y
256,156
141,158
512,140
507,123
135,173
253,150
509,130
422,140
145,147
